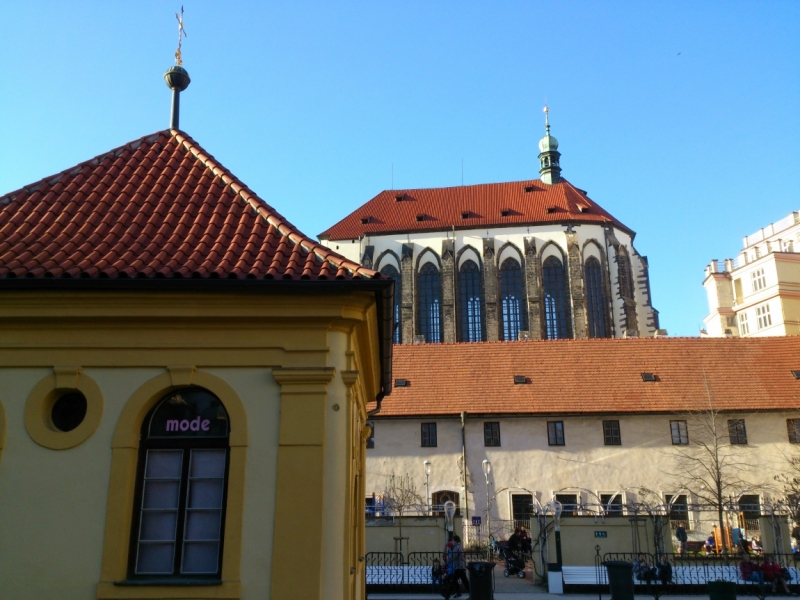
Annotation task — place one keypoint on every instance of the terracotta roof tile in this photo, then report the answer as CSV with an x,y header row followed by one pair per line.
x,y
496,204
158,207
596,376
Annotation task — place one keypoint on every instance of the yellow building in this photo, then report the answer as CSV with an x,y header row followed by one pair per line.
x,y
183,387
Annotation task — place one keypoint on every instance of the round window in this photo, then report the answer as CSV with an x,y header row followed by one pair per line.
x,y
68,411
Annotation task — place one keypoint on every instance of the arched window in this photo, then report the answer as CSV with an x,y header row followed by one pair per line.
x,y
469,281
439,498
390,271
179,514
430,303
512,311
595,298
556,310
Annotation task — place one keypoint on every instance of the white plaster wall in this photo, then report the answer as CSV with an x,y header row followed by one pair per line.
x,y
525,461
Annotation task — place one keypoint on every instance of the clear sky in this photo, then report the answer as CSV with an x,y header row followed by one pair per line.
x,y
682,119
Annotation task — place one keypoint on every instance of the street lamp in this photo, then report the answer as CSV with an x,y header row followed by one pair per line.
x,y
427,465
487,468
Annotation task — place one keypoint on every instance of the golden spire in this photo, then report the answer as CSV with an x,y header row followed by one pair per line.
x,y
181,34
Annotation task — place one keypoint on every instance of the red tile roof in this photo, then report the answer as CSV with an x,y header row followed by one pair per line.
x,y
595,376
471,206
159,207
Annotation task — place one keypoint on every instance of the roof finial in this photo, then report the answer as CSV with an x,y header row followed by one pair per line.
x,y
181,34
176,77
546,120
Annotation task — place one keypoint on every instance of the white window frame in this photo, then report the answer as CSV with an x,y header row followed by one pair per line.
x,y
689,513
744,326
612,493
764,316
759,279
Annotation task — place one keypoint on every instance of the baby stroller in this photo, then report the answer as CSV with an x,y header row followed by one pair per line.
x,y
514,564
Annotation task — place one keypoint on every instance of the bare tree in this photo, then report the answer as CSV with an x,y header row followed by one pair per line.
x,y
401,497
706,463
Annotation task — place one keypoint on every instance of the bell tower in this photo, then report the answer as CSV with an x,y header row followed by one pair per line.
x,y
549,169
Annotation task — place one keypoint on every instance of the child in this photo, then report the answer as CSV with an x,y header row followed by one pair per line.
x,y
436,575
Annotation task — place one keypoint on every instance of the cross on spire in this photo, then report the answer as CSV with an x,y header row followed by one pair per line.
x,y
181,34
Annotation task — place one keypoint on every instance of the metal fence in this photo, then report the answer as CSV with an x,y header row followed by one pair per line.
x,y
391,571
688,573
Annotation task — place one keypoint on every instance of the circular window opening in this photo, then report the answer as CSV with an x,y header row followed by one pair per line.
x,y
68,411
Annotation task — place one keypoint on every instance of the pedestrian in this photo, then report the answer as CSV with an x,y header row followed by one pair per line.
x,y
664,570
642,569
459,566
680,534
750,570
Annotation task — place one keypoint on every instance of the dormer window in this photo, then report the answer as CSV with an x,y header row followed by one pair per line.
x,y
551,209
466,214
366,220
505,212
420,217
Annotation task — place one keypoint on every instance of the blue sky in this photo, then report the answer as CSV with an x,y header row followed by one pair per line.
x,y
682,119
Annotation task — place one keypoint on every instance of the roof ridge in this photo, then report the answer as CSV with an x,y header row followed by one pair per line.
x,y
274,218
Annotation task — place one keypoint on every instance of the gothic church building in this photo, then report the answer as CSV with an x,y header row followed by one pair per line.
x,y
533,259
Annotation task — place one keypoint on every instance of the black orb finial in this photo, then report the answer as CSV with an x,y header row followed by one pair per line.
x,y
177,79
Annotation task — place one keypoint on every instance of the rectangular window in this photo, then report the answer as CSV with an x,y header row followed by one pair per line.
x,y
764,318
611,434
759,280
429,435
370,506
569,504
744,326
679,509
555,433
491,434
750,507
679,432
612,503
793,427
737,431
521,509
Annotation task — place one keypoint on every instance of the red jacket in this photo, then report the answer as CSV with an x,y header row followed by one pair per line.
x,y
770,570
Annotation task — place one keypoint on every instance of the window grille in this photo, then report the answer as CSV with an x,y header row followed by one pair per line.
x,y
612,503
595,298
764,318
512,309
793,427
429,435
491,434
750,506
555,433
569,504
679,432
390,271
611,434
679,511
521,509
556,314
429,298
737,431
471,302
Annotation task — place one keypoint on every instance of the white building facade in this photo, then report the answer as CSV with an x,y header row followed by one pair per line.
x,y
757,293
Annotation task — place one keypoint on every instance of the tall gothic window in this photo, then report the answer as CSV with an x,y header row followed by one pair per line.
x,y
595,299
512,311
556,302
390,271
429,304
470,296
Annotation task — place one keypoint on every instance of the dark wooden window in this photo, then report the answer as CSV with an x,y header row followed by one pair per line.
x,y
179,514
522,509
491,434
429,435
470,296
555,433
611,435
569,504
737,431
793,428
595,298
429,302
612,503
558,324
512,309
679,432
390,271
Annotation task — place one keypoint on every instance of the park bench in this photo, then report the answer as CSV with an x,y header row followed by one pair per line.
x,y
681,575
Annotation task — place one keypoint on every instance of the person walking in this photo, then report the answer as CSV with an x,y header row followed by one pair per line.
x,y
459,566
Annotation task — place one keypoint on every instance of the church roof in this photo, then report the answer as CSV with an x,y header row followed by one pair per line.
x,y
159,207
596,376
471,207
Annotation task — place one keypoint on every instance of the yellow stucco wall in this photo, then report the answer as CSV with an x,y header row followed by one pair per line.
x,y
57,521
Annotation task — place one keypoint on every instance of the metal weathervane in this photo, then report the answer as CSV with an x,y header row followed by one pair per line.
x,y
181,34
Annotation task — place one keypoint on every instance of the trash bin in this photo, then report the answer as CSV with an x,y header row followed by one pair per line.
x,y
555,579
481,580
620,579
721,590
